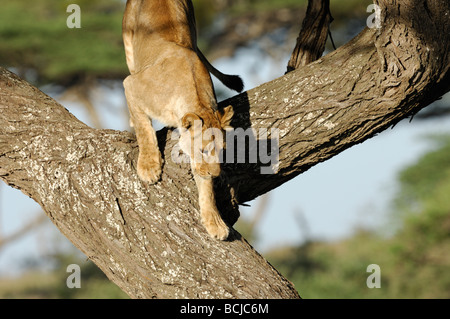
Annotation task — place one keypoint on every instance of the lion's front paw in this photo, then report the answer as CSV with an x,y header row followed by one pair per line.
x,y
149,169
216,227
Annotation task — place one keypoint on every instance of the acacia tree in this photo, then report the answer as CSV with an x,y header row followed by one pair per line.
x,y
148,239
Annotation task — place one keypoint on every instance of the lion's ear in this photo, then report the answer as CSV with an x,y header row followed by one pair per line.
x,y
189,119
225,117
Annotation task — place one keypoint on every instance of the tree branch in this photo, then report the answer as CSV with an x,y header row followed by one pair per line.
x,y
149,239
313,34
350,95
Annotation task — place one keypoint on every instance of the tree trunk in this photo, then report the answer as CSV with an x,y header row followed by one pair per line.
x,y
149,239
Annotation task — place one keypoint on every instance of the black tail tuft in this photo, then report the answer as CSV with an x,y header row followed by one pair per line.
x,y
233,82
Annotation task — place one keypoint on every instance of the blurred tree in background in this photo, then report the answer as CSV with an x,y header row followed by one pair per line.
x,y
36,41
52,284
414,260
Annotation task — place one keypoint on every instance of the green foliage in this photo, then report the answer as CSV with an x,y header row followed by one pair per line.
x,y
52,285
414,262
34,35
205,11
418,180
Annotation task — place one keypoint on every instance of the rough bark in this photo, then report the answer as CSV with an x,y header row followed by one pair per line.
x,y
313,34
149,239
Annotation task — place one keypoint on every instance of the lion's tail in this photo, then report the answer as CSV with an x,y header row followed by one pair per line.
x,y
233,82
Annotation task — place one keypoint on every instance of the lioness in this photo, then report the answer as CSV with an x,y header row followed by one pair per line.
x,y
170,82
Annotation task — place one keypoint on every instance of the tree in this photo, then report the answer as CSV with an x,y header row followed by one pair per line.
x,y
149,239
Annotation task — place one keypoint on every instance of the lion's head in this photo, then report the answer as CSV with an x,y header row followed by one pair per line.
x,y
202,138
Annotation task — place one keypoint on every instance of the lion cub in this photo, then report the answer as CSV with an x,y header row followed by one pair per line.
x,y
170,82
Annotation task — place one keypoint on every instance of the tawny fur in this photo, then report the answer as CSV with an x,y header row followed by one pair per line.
x,y
170,82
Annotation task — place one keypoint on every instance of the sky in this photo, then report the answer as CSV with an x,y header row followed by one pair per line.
x,y
328,202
